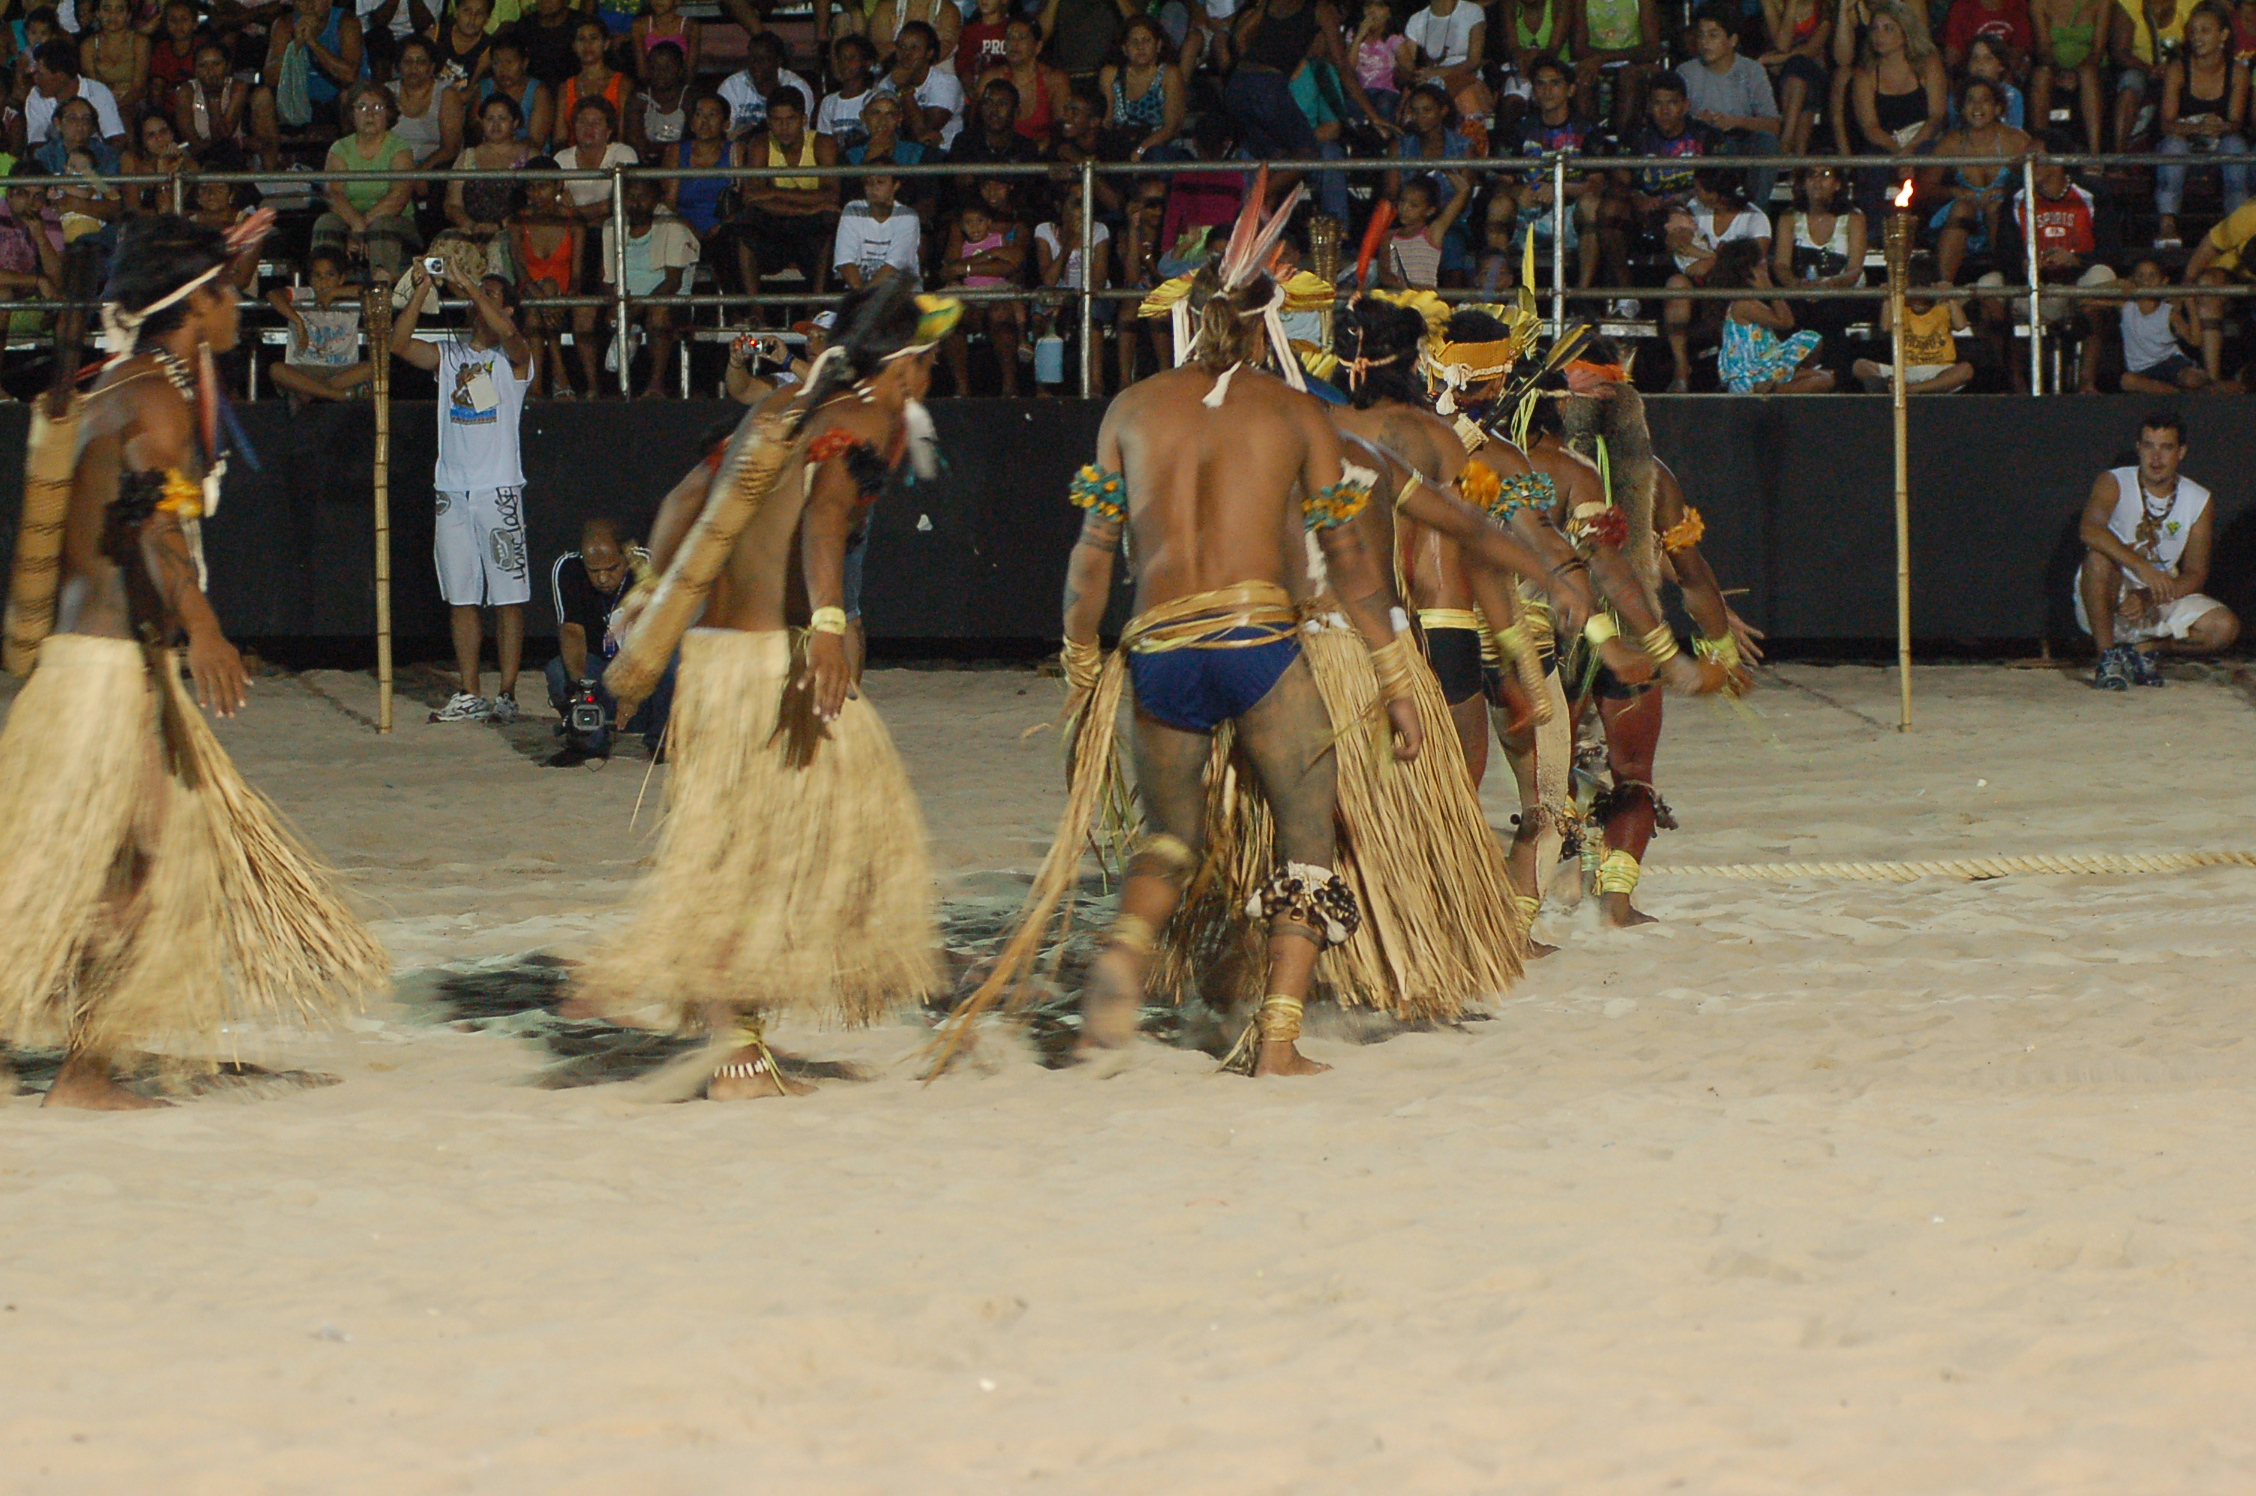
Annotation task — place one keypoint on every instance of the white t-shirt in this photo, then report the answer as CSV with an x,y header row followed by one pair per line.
x,y
1446,39
840,117
481,401
1069,279
748,107
2176,527
39,111
938,91
1707,235
594,190
865,241
332,333
670,245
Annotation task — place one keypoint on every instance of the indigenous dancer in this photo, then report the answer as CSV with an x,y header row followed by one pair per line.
x,y
792,875
152,896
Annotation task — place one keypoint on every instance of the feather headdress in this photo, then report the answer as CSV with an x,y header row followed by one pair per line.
x,y
1248,255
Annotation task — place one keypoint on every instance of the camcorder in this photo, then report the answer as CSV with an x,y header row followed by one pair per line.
x,y
583,711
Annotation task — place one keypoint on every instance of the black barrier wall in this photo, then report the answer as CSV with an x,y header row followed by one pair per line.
x,y
1797,494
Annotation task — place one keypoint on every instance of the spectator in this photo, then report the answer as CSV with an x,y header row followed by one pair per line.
x,y
2204,109
215,207
1273,38
1821,241
658,115
877,235
881,135
1139,271
158,154
1801,33
698,201
384,24
1634,205
595,147
1974,196
1448,43
545,240
425,114
1414,256
749,89
992,140
368,210
2148,534
1898,92
2073,237
31,249
1144,93
1716,216
2141,40
2155,332
315,52
462,43
1550,128
852,60
759,364
1201,201
1986,59
1038,87
1381,56
209,109
1761,353
172,59
1081,136
586,587
787,221
1317,94
932,99
664,27
484,188
593,79
480,481
659,253
1930,344
1057,255
1730,94
536,106
939,17
986,251
54,82
1622,37
2003,21
979,45
2070,37
550,39
322,360
2221,258
1080,35
116,55
78,159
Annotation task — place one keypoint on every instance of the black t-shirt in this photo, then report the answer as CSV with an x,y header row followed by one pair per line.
x,y
578,601
548,49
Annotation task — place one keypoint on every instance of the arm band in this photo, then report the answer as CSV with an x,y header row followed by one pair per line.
x,y
1600,628
1522,491
1335,504
827,621
1660,644
1390,662
1724,651
1083,663
1685,533
1101,492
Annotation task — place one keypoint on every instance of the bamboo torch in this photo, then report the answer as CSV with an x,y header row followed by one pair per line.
x,y
379,319
1324,259
1897,247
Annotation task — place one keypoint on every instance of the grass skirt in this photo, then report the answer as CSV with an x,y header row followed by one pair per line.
x,y
148,896
791,876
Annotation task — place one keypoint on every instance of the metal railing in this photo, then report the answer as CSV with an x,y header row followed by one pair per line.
x,y
1561,168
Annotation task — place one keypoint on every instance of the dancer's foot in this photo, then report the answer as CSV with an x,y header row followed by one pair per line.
x,y
1112,1004
1537,950
1622,914
749,1074
1283,1057
85,1083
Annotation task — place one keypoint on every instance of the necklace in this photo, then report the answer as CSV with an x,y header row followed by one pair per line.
x,y
175,371
2169,500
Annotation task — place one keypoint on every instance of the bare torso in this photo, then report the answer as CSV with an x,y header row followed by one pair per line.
x,y
134,419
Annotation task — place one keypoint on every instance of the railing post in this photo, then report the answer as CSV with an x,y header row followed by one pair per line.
x,y
1558,244
2036,279
179,195
1088,278
619,269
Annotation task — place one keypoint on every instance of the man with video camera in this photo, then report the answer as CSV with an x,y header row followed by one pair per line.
x,y
588,585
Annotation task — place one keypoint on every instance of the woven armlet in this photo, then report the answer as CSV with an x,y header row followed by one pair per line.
x,y
1100,491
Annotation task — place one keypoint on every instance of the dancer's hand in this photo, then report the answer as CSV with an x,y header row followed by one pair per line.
x,y
1684,675
1409,732
215,667
1746,633
1631,666
828,678
1517,705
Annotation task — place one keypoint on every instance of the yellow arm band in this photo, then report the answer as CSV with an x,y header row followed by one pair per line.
x,y
1514,641
1724,651
1083,663
1660,644
827,621
1390,662
1600,628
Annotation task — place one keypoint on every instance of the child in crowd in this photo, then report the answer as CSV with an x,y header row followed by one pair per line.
x,y
545,244
86,204
986,250
2156,331
323,361
1762,354
1931,362
1421,223
877,234
852,62
1382,57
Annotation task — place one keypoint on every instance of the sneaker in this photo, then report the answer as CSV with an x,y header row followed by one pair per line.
x,y
2146,670
2114,672
504,709
1624,310
464,707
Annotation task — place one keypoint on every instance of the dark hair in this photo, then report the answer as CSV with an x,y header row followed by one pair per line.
x,y
516,114
1730,185
1424,187
58,56
2220,15
1141,21
421,44
1735,263
156,256
27,167
2164,420
767,42
585,22
921,28
856,42
334,257
1543,64
46,15
788,98
895,330
1667,82
1005,85
603,107
1966,90
1840,186
1388,336
1474,327
1722,15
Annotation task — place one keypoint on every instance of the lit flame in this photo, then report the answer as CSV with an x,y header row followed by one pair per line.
x,y
1903,194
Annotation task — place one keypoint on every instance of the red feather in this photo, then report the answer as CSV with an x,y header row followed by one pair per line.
x,y
1374,236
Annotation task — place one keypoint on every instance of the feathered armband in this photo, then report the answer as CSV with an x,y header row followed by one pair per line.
x,y
1685,533
1520,491
1099,491
1599,524
1337,503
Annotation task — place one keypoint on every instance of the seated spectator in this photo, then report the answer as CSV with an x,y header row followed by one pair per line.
x,y
116,55
1316,92
595,147
462,42
663,27
1144,93
1037,87
1381,56
545,239
425,113
55,81
878,235
172,57
2071,42
1413,257
1633,206
31,249
939,17
2149,532
1080,36
787,221
1716,216
549,31
1987,60
1449,43
1622,37
853,61
368,212
593,79
215,205
2141,42
1272,39
749,90
2223,257
2004,21
1801,34
1730,94
1899,93
658,114
2074,237
660,250
157,154
1428,134
990,139
315,54
1973,197
986,251
322,361
1081,136
1930,345
210,108
932,99
1761,352
700,201
536,105
586,588
1199,202
484,189
2156,331
979,45
1057,255
1139,271
1821,241
2204,110
1496,264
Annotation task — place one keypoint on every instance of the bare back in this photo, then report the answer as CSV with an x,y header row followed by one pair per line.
x,y
762,587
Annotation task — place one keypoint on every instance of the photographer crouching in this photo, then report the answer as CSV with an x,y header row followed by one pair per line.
x,y
588,585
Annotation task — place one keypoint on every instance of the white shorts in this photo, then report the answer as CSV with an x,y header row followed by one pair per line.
x,y
480,548
2170,621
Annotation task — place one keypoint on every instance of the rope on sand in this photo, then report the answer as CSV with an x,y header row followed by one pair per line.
x,y
2088,863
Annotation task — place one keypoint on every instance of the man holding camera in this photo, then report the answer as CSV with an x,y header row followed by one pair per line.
x,y
480,479
588,589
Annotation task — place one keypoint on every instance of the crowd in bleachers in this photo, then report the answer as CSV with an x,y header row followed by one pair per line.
x,y
486,90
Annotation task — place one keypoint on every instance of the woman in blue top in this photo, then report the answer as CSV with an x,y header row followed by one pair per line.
x,y
697,200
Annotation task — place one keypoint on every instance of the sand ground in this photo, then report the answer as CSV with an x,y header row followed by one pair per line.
x,y
1811,1188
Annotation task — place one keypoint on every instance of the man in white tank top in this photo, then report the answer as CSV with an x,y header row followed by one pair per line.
x,y
2147,533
